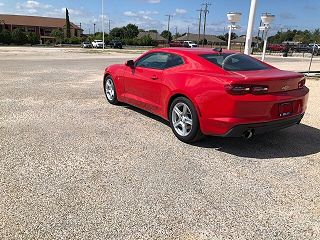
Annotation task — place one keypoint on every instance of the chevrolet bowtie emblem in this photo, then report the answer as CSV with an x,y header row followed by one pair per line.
x,y
285,88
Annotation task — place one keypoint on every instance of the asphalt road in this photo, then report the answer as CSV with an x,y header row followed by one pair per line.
x,y
73,166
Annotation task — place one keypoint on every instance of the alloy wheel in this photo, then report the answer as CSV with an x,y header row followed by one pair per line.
x,y
182,119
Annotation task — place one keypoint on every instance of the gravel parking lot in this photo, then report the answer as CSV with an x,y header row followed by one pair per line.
x,y
73,166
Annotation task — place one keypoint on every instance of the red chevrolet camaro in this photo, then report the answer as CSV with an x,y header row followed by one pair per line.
x,y
209,92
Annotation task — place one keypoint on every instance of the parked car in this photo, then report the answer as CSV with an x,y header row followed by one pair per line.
x,y
98,44
189,44
276,47
115,44
211,92
314,48
176,44
86,45
301,48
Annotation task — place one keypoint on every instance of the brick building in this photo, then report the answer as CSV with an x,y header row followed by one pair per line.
x,y
41,26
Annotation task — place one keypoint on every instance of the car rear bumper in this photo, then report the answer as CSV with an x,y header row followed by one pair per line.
x,y
260,112
259,128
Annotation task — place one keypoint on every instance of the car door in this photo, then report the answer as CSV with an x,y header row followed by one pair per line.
x,y
143,82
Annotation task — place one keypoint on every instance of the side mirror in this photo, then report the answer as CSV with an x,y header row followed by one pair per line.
x,y
130,63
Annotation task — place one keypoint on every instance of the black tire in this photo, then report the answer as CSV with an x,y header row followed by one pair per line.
x,y
112,100
195,133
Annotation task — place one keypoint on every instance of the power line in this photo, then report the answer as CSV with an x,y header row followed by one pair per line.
x,y
205,11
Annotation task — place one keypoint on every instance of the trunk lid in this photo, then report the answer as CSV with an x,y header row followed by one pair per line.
x,y
277,80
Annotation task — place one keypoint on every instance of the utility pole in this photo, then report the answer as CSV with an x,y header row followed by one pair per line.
x,y
103,24
169,19
109,26
94,29
205,11
176,31
188,30
200,19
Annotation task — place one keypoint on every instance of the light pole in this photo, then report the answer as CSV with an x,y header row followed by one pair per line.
x,y
266,20
102,25
252,15
233,18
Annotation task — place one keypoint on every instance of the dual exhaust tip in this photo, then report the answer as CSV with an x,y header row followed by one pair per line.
x,y
248,134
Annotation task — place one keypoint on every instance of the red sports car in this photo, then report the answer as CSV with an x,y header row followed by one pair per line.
x,y
209,92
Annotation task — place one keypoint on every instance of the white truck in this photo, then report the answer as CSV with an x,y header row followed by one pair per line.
x,y
189,44
97,44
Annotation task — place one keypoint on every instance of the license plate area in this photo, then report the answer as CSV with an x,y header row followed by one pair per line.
x,y
285,109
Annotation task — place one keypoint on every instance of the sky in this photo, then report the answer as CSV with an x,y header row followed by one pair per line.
x,y
151,14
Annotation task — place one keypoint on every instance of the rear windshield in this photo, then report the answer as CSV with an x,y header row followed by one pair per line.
x,y
235,62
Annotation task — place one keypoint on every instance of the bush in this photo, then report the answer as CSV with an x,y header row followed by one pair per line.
x,y
75,40
19,37
146,41
33,38
5,37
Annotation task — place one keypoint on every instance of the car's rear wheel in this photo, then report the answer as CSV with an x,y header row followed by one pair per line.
x,y
184,120
110,90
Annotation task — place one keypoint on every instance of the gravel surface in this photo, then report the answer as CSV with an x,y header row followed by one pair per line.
x,y
73,166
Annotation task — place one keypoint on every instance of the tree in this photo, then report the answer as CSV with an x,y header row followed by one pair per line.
x,y
19,37
131,31
57,34
5,37
117,33
233,36
68,26
33,38
167,35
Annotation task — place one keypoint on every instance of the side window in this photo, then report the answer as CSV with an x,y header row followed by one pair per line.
x,y
153,60
174,60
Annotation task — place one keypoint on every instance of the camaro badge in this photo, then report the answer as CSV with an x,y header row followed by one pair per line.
x,y
285,88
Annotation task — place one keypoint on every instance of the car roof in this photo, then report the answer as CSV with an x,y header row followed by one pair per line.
x,y
192,51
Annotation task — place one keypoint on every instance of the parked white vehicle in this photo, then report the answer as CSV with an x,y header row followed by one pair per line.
x,y
97,44
190,44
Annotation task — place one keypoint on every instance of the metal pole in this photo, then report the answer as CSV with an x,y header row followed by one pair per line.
x,y
311,57
169,18
200,19
206,11
102,25
265,43
229,37
94,29
253,8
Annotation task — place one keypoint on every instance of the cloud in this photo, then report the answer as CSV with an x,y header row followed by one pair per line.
x,y
32,6
140,14
130,14
1,4
181,11
287,15
153,1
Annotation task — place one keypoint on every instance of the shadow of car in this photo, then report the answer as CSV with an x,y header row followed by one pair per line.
x,y
296,141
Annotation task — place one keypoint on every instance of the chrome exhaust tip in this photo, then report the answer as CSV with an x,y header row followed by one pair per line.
x,y
248,134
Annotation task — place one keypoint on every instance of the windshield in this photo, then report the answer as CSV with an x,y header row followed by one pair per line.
x,y
235,62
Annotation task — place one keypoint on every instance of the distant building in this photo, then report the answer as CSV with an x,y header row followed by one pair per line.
x,y
154,35
41,26
211,39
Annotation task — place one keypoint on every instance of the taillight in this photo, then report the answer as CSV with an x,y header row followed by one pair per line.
x,y
239,89
302,83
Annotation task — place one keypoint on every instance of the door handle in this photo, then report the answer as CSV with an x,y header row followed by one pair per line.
x,y
154,77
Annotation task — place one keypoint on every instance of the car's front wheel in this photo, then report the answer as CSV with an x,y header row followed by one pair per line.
x,y
184,120
110,90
